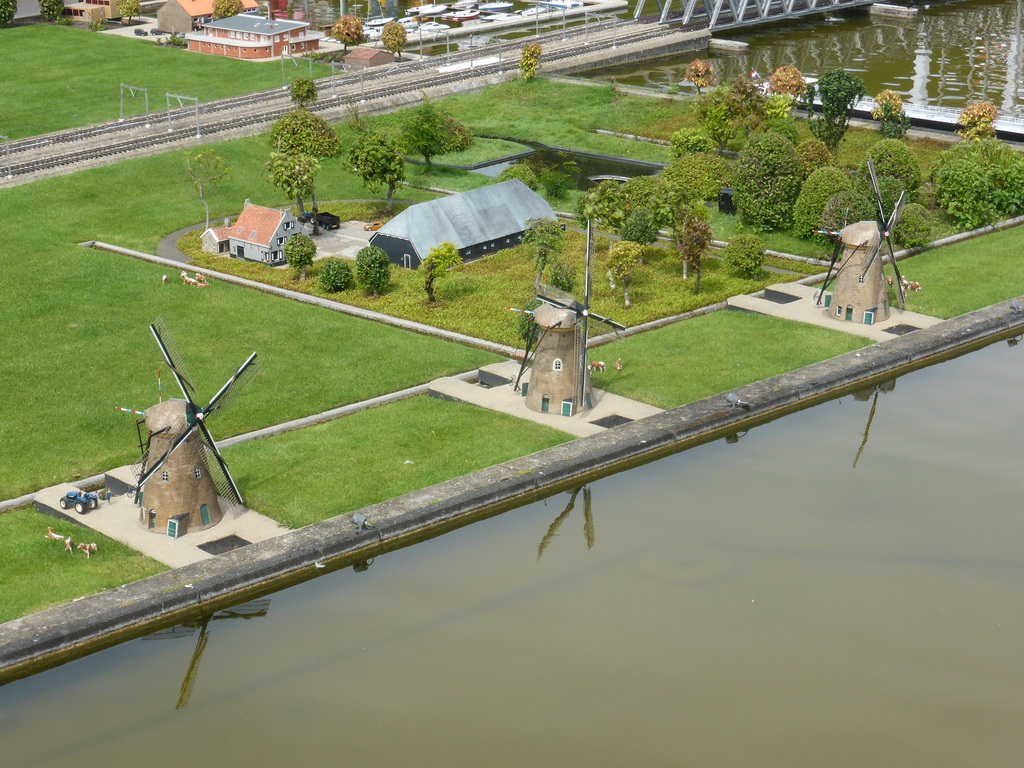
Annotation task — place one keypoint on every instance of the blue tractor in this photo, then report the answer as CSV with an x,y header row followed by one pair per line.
x,y
82,501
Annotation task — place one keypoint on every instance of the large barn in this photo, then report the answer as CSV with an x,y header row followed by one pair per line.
x,y
478,222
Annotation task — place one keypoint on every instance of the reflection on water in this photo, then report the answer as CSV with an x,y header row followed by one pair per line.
x,y
755,603
950,54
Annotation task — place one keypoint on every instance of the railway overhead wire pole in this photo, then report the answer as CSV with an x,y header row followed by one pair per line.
x,y
7,156
132,90
181,103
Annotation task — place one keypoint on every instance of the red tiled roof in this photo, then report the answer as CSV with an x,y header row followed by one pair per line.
x,y
221,233
205,7
256,224
357,54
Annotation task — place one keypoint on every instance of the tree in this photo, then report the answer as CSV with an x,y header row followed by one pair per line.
x,y
393,37
373,269
813,155
702,175
438,261
376,159
640,227
714,112
347,30
788,81
767,181
976,121
687,141
623,259
7,10
888,111
51,9
839,91
301,132
815,194
129,9
222,9
335,275
530,61
544,240
700,73
299,251
520,171
204,170
692,233
303,91
892,159
979,182
428,132
745,254
293,174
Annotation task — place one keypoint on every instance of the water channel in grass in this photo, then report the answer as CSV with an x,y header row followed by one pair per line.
x,y
840,587
952,53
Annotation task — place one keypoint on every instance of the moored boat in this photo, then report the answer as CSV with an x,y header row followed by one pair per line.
x,y
427,10
494,7
458,17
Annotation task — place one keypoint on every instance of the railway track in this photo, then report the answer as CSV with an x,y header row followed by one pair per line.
x,y
99,144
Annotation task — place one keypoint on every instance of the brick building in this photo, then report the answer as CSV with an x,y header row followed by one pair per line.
x,y
247,36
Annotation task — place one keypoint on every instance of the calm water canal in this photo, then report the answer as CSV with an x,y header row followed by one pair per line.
x,y
791,598
950,54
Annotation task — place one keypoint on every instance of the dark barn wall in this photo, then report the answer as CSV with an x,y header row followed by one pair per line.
x,y
396,247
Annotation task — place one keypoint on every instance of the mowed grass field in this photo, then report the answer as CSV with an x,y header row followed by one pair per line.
x,y
64,77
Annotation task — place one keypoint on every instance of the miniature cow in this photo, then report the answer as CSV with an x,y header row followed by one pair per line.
x,y
50,534
88,548
597,365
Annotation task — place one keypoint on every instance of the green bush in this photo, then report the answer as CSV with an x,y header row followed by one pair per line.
x,y
914,228
813,155
767,181
816,192
562,277
522,172
745,254
373,269
689,141
847,208
701,175
893,159
335,275
980,182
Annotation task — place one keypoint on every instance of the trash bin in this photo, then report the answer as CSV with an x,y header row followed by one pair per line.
x,y
725,203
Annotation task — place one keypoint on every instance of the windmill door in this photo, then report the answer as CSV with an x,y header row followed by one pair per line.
x,y
545,404
849,312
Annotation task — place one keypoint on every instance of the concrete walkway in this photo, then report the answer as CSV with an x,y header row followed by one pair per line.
x,y
804,309
118,520
606,406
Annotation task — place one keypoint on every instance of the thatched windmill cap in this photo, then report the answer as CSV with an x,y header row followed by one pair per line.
x,y
547,316
169,413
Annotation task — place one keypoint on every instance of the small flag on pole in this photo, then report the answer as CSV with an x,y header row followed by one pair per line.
x,y
754,75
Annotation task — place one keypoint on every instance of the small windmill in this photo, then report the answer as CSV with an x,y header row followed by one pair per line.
x,y
559,362
180,448
861,293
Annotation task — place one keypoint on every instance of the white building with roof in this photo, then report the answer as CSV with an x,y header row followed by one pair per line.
x,y
248,36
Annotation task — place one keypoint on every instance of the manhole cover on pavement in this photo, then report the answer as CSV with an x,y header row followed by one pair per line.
x,y
220,546
612,421
901,329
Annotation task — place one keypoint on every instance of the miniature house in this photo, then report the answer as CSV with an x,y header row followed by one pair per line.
x,y
181,16
478,222
860,294
248,36
259,234
369,57
181,495
555,370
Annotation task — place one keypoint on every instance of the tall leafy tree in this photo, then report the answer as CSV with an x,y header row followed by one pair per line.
x,y
129,9
691,230
376,159
623,259
373,269
300,251
301,132
204,171
701,74
839,91
529,63
51,9
544,240
429,132
438,261
394,38
222,9
293,174
347,30
303,92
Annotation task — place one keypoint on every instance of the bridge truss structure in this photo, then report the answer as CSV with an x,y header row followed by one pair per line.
x,y
730,14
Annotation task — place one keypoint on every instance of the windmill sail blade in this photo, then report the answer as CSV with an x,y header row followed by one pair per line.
x,y
173,359
556,297
588,518
897,212
243,376
528,357
155,467
556,524
837,251
878,250
218,468
878,193
601,320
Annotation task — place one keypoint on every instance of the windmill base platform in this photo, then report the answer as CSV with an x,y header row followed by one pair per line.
x,y
793,301
494,392
119,520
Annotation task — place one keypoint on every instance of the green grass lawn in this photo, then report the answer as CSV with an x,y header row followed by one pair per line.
x,y
376,455
37,573
715,353
80,82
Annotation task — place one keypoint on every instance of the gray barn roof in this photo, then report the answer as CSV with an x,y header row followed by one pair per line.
x,y
478,216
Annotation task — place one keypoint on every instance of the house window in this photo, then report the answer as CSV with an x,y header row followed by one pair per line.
x,y
289,224
557,365
164,476
197,472
280,241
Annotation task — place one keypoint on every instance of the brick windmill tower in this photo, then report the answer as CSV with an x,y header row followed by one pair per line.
x,y
182,478
860,293
560,377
